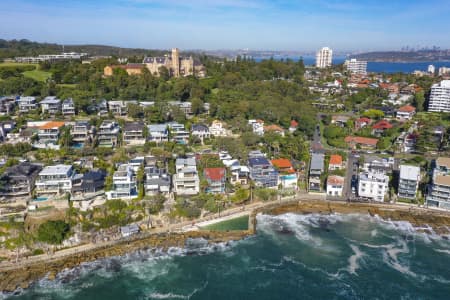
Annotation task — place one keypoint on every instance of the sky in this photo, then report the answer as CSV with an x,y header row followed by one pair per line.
x,y
296,25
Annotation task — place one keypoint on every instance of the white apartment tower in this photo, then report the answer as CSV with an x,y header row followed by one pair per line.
x,y
356,66
440,97
324,57
431,69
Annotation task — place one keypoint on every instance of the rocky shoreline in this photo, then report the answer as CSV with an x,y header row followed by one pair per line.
x,y
421,218
23,275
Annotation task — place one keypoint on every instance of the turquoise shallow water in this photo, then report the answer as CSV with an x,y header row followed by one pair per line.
x,y
291,257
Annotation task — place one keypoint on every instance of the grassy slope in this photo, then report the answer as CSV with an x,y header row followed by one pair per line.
x,y
37,75
34,74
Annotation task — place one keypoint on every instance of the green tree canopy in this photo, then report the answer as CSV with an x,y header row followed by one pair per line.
x,y
53,232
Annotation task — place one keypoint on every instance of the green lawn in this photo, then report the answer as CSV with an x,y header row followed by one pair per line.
x,y
37,75
240,223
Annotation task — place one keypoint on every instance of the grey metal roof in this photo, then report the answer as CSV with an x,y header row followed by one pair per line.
x,y
157,128
200,127
317,161
135,126
24,169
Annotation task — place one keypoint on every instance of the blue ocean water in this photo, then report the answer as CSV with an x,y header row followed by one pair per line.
x,y
379,67
291,257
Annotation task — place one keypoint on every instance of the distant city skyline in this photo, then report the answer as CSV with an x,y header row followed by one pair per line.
x,y
307,25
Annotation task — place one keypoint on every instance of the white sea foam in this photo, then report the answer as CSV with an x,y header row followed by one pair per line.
x,y
353,264
157,295
300,226
143,264
314,269
390,257
443,251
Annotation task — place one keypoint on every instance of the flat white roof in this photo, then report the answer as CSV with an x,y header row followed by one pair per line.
x,y
445,83
409,172
56,170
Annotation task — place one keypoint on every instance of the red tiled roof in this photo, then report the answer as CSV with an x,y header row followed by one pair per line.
x,y
215,174
282,163
407,108
335,159
294,124
363,120
52,124
383,124
273,127
361,140
335,179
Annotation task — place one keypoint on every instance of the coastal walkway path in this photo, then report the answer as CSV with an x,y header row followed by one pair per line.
x,y
188,226
168,228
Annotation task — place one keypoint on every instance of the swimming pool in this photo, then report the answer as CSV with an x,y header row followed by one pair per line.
x,y
78,145
39,199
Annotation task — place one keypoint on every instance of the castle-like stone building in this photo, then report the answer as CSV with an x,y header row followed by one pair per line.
x,y
176,66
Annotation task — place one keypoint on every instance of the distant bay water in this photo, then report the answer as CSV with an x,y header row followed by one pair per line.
x,y
378,67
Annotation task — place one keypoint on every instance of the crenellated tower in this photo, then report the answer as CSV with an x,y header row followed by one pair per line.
x,y
176,62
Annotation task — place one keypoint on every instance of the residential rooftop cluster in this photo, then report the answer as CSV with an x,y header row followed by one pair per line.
x,y
180,146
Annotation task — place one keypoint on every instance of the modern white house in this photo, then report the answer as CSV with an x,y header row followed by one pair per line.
x,y
68,107
439,193
324,58
257,126
217,128
118,108
408,181
157,180
158,133
81,132
133,133
440,97
335,185
356,66
55,179
178,133
108,134
186,181
239,174
50,132
373,185
51,105
124,184
27,104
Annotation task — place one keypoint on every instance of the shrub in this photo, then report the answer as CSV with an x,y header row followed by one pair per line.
x,y
53,232
37,252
